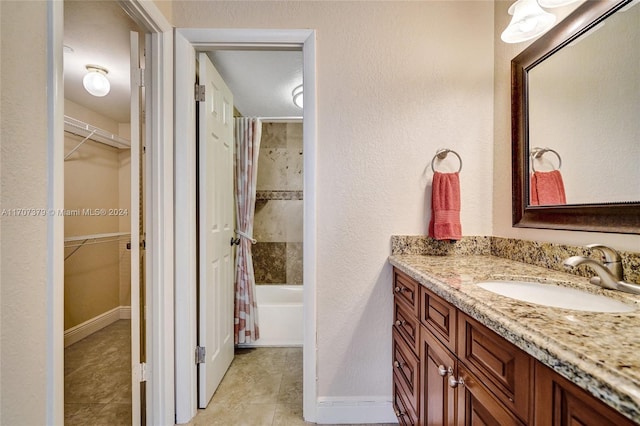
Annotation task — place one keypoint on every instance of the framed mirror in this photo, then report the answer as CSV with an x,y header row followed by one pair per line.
x,y
575,126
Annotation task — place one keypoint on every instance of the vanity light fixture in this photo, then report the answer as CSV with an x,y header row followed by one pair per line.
x,y
298,96
555,3
95,80
529,21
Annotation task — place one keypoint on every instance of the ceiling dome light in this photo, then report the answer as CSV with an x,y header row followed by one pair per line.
x,y
298,96
95,81
555,3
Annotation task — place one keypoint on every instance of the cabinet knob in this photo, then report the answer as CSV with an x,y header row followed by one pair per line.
x,y
399,323
398,289
397,364
442,370
399,413
454,383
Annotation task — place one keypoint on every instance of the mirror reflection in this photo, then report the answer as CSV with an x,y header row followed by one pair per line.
x,y
584,109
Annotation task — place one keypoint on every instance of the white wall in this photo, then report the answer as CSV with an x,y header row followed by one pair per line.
x,y
23,165
502,152
396,81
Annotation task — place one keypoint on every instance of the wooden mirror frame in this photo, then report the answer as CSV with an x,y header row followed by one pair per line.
x,y
607,217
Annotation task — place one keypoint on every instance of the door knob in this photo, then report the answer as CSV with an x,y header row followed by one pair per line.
x,y
235,241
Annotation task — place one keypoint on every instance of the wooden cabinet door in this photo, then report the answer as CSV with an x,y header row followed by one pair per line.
x,y
503,368
560,402
438,399
479,407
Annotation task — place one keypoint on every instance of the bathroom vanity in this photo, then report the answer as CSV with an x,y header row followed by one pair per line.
x,y
464,355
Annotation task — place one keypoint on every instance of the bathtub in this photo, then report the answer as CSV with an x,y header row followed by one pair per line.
x,y
280,315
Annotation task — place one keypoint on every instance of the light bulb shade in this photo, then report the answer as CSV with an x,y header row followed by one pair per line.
x,y
95,81
298,96
529,21
555,3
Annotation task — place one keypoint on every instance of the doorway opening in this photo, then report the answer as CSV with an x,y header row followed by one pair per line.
x,y
267,85
252,162
188,43
103,211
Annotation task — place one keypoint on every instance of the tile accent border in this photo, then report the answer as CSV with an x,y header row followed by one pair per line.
x,y
279,195
547,255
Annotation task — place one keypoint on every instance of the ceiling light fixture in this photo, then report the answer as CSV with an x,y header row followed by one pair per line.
x,y
298,96
95,80
529,21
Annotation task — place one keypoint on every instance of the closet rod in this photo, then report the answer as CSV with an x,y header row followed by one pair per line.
x,y
82,240
87,131
96,236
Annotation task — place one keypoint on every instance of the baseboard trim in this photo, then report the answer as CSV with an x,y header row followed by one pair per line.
x,y
272,344
354,410
87,328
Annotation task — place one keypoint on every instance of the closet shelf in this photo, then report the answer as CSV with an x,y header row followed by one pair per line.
x,y
78,241
87,131
95,236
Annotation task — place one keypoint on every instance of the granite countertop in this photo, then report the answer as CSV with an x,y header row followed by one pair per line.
x,y
600,352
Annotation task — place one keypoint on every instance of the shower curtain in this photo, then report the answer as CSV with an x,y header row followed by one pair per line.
x,y
247,146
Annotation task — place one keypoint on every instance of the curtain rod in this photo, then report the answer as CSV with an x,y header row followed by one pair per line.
x,y
281,119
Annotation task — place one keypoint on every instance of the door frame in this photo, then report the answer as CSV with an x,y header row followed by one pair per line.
x,y
159,280
187,42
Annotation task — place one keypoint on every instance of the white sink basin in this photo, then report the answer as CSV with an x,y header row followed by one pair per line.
x,y
555,296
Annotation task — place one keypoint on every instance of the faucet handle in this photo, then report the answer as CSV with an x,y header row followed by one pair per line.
x,y
610,255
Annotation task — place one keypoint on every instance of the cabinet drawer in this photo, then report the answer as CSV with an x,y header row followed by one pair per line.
x,y
406,372
560,402
404,412
406,290
406,324
503,368
439,317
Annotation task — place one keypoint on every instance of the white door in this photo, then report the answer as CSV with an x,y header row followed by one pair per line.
x,y
215,230
136,230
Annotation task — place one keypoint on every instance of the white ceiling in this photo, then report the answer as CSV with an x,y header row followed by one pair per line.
x,y
98,33
261,81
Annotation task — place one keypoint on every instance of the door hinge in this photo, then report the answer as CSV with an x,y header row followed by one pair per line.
x,y
143,244
141,77
143,371
199,92
201,353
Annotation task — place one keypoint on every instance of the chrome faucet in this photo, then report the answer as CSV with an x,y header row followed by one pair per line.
x,y
609,270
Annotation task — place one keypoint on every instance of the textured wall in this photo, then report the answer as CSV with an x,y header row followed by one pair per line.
x,y
502,151
277,257
23,166
396,81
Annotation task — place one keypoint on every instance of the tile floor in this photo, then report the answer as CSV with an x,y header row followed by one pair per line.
x,y
97,378
263,386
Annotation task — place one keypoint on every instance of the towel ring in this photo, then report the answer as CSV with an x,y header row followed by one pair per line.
x,y
538,152
441,154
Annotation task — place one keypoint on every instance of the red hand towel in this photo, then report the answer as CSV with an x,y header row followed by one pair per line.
x,y
445,207
547,188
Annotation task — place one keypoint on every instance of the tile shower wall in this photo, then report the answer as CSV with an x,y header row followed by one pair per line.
x,y
277,256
